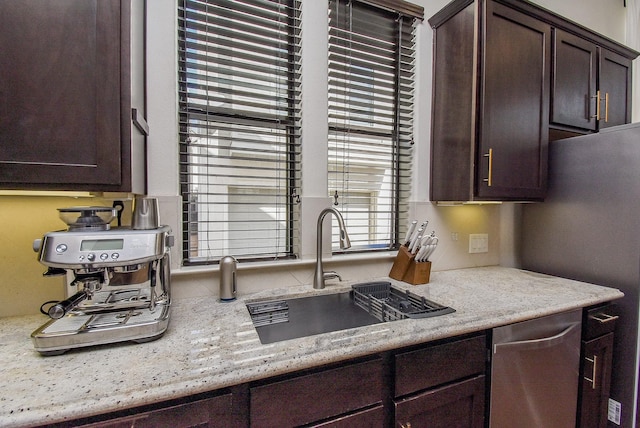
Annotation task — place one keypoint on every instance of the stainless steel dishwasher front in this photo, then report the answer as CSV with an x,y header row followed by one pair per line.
x,y
534,372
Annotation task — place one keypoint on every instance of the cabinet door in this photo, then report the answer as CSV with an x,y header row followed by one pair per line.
x,y
60,114
316,396
511,162
459,405
370,418
596,382
211,412
453,108
573,89
447,362
615,89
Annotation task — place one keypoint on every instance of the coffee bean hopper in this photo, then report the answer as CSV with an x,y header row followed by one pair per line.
x,y
119,278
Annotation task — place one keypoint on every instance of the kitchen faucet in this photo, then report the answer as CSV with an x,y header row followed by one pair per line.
x,y
320,275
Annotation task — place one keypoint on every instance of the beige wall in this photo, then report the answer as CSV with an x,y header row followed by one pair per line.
x,y
22,220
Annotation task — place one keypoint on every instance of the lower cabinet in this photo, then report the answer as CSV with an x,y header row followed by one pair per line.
x,y
440,384
370,418
596,380
208,412
595,369
319,396
460,404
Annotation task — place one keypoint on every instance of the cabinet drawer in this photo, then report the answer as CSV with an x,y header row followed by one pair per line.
x,y
370,418
435,365
459,405
216,411
598,321
316,396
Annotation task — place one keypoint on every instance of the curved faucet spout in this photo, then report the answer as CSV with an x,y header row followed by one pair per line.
x,y
319,275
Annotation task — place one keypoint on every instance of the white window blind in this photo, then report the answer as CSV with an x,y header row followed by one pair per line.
x,y
371,85
239,92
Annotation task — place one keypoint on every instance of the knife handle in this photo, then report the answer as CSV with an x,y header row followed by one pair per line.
x,y
414,240
409,235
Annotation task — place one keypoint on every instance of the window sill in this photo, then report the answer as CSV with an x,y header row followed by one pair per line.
x,y
383,256
203,281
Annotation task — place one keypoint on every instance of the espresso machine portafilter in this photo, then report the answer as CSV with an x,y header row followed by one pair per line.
x,y
120,277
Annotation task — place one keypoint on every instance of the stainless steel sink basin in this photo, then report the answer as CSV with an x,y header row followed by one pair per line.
x,y
366,304
306,316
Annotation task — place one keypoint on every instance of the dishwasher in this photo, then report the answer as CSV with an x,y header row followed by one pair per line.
x,y
535,371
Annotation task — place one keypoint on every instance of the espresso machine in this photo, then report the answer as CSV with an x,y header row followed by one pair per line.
x,y
118,279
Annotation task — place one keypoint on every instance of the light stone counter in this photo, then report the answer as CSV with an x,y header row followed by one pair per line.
x,y
211,345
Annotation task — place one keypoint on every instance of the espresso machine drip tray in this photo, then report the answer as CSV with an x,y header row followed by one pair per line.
x,y
97,323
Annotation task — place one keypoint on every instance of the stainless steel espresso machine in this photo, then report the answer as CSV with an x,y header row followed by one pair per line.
x,y
119,277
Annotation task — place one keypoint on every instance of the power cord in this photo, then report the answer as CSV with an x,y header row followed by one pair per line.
x,y
49,302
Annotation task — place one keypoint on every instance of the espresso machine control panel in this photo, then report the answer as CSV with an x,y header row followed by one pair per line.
x,y
114,247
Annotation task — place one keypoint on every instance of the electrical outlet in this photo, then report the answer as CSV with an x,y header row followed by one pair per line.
x,y
454,236
479,243
615,411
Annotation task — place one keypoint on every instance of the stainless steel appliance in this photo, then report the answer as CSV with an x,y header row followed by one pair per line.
x,y
121,276
588,229
534,372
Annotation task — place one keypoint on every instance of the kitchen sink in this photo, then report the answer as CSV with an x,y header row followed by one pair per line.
x,y
365,304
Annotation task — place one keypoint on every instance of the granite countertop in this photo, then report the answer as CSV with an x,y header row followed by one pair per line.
x,y
211,345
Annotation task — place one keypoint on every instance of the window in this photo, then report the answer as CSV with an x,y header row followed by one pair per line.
x,y
239,96
371,70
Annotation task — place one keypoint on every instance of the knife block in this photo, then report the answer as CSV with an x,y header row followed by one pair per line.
x,y
401,263
418,273
406,269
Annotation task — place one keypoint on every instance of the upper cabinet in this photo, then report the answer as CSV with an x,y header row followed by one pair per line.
x,y
614,88
72,95
507,75
591,87
490,103
574,83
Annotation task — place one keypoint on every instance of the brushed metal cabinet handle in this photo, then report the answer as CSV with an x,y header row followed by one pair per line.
x,y
489,178
603,318
594,371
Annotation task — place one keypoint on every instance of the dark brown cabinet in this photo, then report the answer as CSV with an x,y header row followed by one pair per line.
x,y
595,369
591,87
442,386
458,405
507,77
437,385
490,103
337,394
368,418
72,80
218,411
441,383
574,81
614,83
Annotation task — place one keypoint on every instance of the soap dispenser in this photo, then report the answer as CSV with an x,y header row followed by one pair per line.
x,y
228,265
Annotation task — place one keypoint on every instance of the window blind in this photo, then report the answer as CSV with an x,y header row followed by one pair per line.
x,y
239,118
371,84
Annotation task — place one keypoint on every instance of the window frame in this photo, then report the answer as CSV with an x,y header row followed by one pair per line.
x,y
360,33
245,106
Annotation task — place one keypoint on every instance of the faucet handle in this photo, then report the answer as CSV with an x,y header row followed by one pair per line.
x,y
331,274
